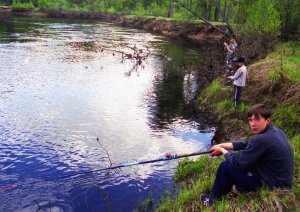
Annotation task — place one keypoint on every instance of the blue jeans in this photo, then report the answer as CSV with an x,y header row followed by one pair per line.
x,y
227,176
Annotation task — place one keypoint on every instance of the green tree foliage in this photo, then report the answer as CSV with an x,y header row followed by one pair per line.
x,y
290,16
22,5
263,18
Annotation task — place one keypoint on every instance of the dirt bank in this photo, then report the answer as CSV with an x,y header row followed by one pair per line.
x,y
5,12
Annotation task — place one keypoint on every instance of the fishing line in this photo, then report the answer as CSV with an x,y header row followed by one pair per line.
x,y
166,157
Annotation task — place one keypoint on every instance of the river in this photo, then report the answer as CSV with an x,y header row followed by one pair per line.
x,y
70,104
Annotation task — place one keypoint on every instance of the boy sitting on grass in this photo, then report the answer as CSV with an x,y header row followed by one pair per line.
x,y
265,160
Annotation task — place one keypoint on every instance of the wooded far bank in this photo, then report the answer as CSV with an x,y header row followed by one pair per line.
x,y
267,17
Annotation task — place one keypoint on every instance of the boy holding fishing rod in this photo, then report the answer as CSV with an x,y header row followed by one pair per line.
x,y
266,160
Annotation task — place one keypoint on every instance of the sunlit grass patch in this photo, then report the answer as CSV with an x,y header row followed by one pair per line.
x,y
22,5
214,92
262,200
295,142
287,56
287,118
273,75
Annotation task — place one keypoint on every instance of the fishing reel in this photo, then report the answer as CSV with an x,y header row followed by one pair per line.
x,y
168,156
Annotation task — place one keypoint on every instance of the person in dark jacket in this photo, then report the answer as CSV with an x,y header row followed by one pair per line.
x,y
265,160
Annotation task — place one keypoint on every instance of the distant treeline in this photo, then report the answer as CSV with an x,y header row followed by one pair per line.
x,y
273,17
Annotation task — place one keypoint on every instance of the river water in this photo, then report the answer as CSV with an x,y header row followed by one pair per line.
x,y
70,104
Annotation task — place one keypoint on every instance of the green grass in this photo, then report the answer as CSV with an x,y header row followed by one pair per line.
x,y
287,118
19,5
288,57
273,75
214,92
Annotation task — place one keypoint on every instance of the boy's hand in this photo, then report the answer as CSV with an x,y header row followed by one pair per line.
x,y
217,150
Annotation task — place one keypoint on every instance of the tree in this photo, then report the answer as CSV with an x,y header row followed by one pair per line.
x,y
263,18
290,16
170,9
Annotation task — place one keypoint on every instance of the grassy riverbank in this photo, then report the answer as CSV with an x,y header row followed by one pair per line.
x,y
273,81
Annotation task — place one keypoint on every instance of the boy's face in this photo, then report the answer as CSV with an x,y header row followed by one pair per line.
x,y
258,124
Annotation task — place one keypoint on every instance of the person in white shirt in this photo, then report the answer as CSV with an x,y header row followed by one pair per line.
x,y
239,79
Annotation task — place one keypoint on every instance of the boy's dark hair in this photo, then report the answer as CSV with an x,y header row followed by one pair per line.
x,y
231,36
239,59
259,109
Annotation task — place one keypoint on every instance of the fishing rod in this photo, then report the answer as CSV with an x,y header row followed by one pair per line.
x,y
166,157
224,18
203,19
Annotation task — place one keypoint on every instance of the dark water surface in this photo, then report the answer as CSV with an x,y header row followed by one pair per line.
x,y
67,106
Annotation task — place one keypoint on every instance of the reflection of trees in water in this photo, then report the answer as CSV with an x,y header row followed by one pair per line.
x,y
177,85
9,23
20,30
168,101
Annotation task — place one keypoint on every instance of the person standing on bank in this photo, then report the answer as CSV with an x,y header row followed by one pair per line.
x,y
265,160
239,78
230,48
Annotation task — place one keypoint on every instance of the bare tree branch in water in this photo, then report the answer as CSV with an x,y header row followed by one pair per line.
x,y
106,152
138,55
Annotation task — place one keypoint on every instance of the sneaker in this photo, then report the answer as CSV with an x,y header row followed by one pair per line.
x,y
206,201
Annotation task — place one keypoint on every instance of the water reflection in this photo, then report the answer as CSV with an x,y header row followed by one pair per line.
x,y
70,103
